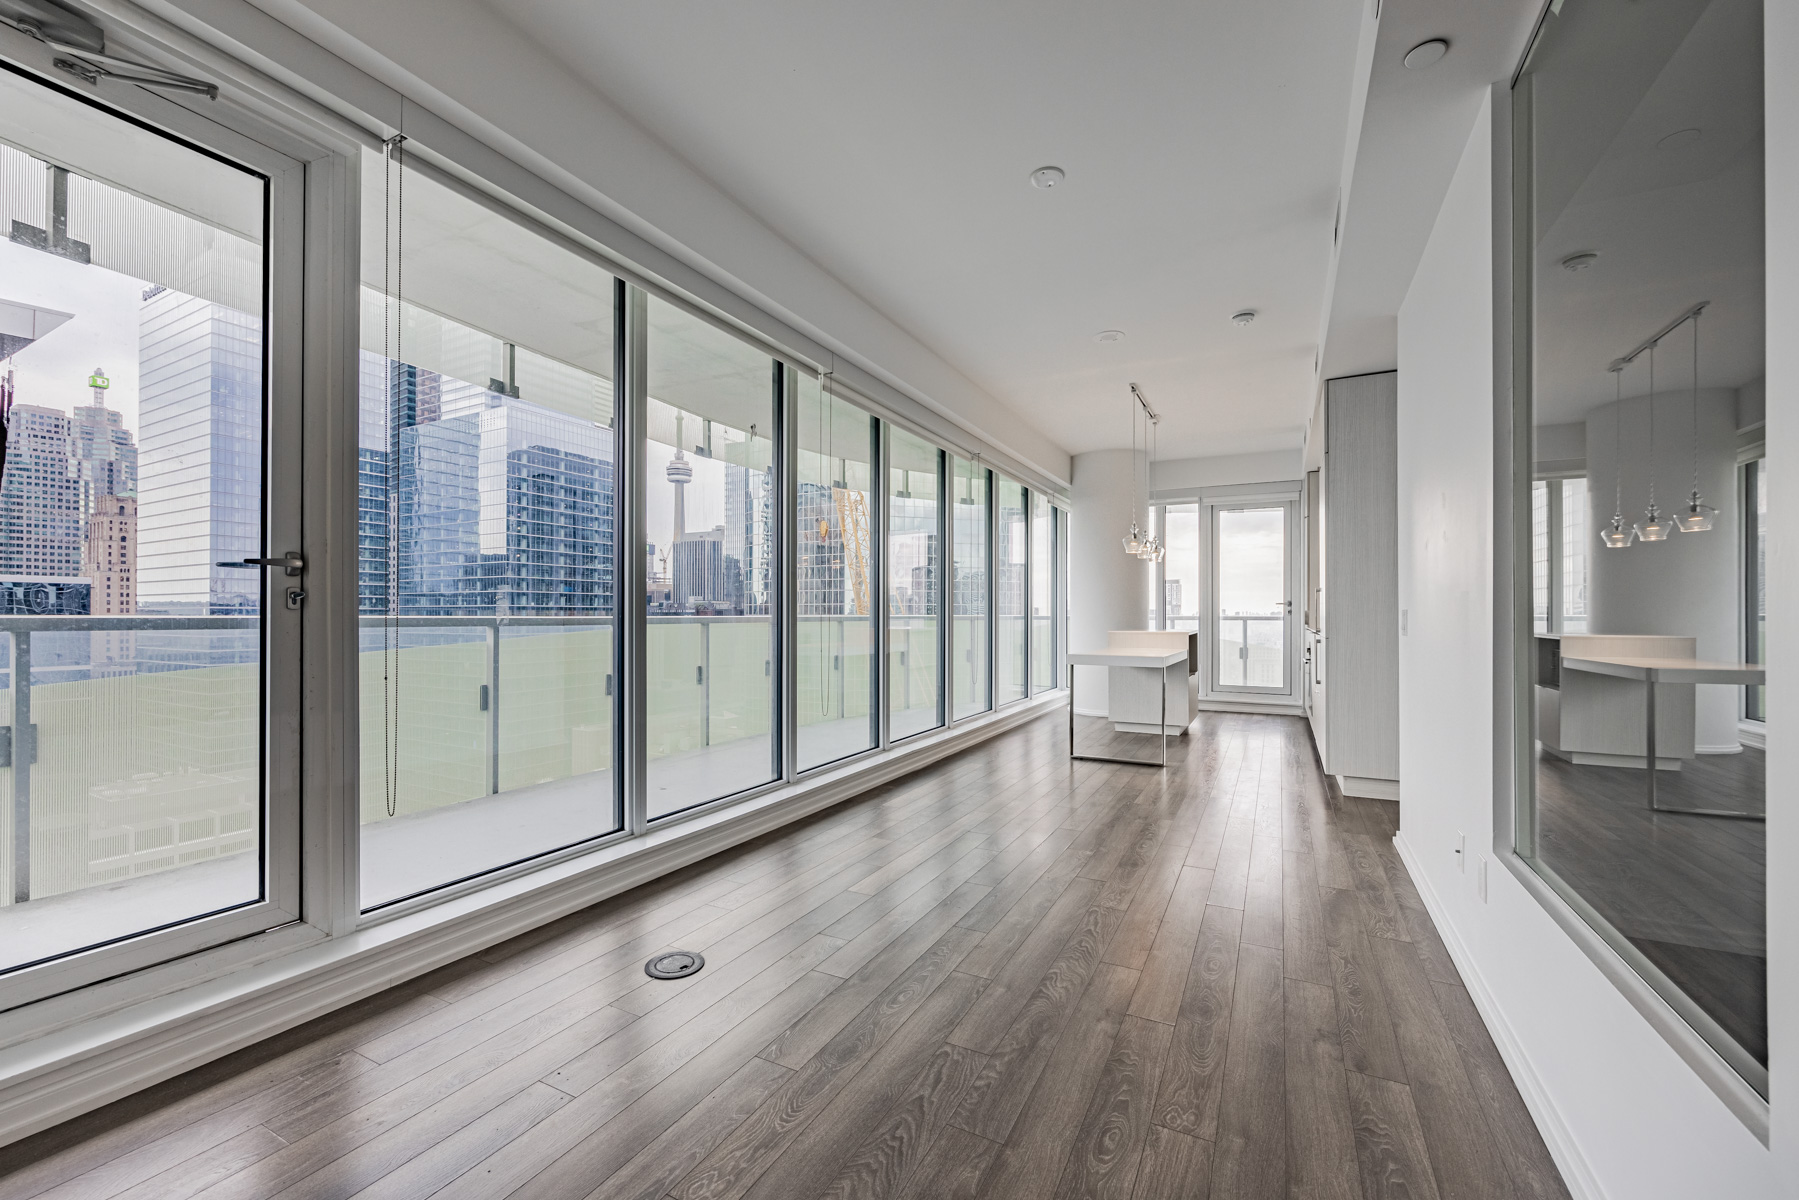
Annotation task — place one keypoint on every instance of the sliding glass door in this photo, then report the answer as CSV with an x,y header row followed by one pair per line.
x,y
149,659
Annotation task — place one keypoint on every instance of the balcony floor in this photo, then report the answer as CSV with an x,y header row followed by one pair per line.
x,y
1008,975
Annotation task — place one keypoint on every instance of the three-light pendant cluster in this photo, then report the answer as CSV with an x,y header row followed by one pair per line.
x,y
1697,516
1139,543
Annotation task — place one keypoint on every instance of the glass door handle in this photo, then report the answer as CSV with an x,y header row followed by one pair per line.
x,y
292,562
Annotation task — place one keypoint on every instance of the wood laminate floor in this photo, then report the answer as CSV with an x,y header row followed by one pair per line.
x,y
1005,976
1690,892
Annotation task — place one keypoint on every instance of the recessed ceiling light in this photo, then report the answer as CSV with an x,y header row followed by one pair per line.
x,y
1244,317
1581,261
1426,54
1679,138
1047,177
1108,336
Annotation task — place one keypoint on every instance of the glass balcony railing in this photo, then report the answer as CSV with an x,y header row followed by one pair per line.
x,y
1252,650
130,780
491,739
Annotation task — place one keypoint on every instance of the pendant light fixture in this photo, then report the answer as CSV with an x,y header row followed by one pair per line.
x,y
1652,528
1617,535
1697,516
1133,540
1152,550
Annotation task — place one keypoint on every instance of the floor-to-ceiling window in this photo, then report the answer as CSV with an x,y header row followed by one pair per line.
x,y
148,660
1641,260
487,539
914,561
709,526
834,513
1010,628
1059,580
1182,600
969,647
1043,594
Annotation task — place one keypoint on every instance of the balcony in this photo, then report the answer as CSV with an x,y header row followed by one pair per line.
x,y
130,756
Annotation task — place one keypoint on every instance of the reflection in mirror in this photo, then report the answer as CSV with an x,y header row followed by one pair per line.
x,y
1639,189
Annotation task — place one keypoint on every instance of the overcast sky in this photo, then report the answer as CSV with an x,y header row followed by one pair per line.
x,y
52,372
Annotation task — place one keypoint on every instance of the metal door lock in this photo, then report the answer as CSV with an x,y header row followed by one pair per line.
x,y
294,597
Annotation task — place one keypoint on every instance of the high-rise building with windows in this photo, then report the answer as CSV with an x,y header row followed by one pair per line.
x,y
109,555
101,450
199,468
42,519
502,505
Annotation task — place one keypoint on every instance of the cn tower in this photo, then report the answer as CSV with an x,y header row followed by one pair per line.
x,y
680,473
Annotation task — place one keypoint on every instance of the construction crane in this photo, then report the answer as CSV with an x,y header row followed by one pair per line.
x,y
852,518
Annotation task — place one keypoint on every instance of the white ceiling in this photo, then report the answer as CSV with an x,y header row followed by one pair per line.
x,y
892,144
1413,133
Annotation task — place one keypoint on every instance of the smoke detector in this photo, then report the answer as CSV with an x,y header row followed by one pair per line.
x,y
1244,317
1046,178
1426,54
1581,261
1108,336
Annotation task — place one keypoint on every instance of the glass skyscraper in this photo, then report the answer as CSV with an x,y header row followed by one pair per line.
x,y
504,506
199,469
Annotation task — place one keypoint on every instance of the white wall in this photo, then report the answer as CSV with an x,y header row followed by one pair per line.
x,y
1624,1114
1106,589
1191,474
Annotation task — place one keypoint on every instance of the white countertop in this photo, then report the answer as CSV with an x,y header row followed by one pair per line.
x,y
1669,670
1134,656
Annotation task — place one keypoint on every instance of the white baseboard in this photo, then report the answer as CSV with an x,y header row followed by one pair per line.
x,y
1260,707
1577,1173
78,1067
1753,734
1720,748
1371,789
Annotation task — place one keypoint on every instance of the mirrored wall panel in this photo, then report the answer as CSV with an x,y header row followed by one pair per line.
x,y
487,539
1641,773
835,550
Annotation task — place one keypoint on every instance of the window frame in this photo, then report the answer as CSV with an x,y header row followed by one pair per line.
x,y
1734,1080
291,481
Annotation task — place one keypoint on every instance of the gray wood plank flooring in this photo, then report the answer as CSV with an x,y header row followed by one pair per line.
x,y
1008,975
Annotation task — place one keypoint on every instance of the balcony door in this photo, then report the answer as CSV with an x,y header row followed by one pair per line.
x,y
1252,597
149,662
